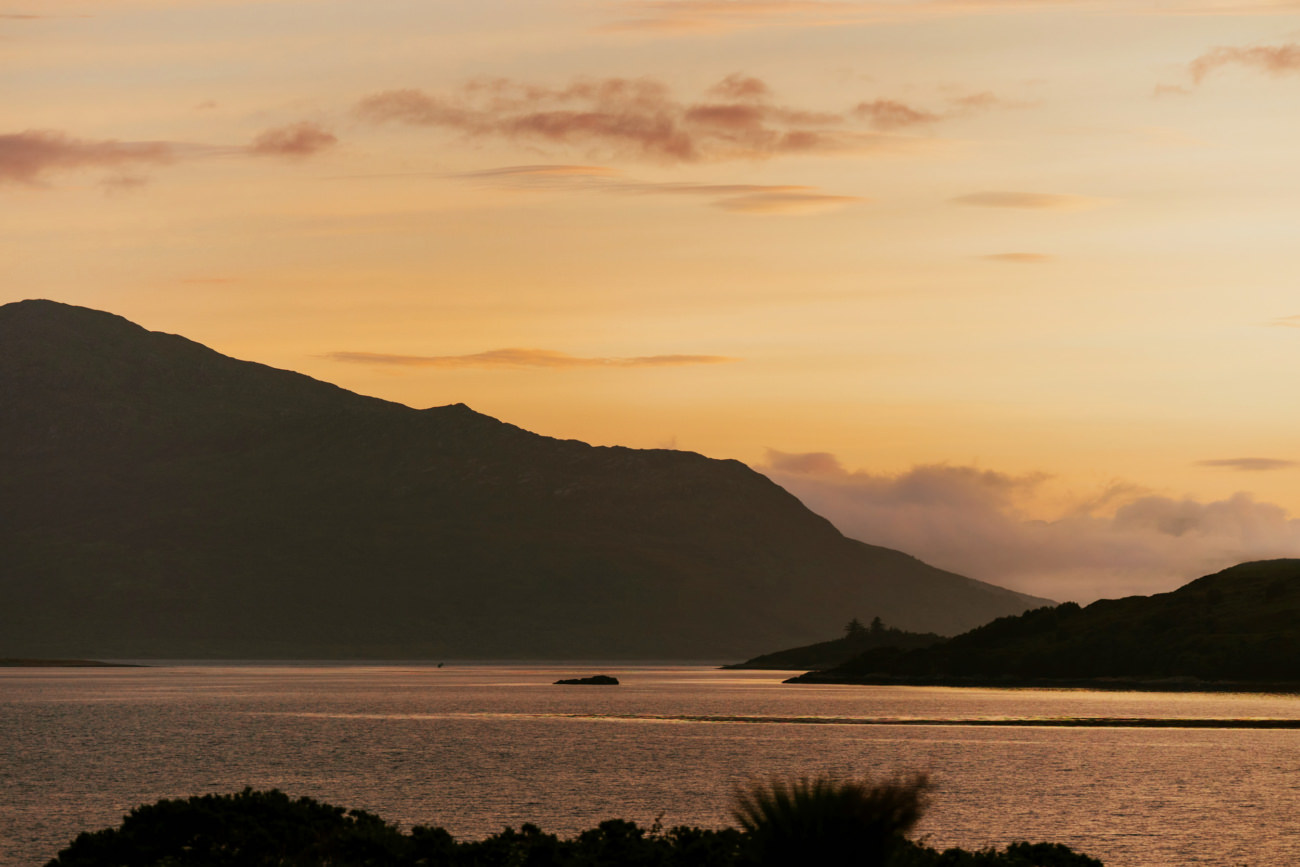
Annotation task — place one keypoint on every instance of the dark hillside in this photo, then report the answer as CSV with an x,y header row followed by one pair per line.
x,y
1240,625
160,499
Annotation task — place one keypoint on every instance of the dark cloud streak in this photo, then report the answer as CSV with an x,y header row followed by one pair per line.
x,y
522,358
1249,465
1031,201
736,198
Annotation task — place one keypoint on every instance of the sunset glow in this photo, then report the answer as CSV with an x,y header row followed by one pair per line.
x,y
1010,286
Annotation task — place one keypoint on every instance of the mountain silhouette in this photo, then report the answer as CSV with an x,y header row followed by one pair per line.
x,y
1239,626
158,499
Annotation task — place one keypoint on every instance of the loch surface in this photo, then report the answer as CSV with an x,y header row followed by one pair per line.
x,y
475,748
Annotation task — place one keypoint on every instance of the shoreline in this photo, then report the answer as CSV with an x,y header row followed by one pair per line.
x,y
1179,684
63,663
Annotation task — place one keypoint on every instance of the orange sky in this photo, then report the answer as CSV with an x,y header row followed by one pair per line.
x,y
1040,255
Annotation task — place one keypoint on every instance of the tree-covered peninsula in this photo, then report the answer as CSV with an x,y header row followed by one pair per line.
x,y
857,639
1236,629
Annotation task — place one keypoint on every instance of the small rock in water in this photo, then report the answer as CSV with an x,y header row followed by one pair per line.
x,y
594,680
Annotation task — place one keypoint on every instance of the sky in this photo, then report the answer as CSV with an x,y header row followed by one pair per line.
x,y
1010,285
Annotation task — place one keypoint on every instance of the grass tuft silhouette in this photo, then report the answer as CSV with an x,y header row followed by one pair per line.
x,y
824,820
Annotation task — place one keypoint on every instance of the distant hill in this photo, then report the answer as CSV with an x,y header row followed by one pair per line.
x,y
1241,625
829,654
158,499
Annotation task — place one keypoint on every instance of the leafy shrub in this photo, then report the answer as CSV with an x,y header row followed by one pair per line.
x,y
250,828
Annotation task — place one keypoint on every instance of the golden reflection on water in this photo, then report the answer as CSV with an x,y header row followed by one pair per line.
x,y
475,748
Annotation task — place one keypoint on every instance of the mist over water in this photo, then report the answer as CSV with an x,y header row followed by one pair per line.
x,y
477,748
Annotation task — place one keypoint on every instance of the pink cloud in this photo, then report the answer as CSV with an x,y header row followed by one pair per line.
x,y
295,140
635,117
737,86
1273,59
888,114
27,157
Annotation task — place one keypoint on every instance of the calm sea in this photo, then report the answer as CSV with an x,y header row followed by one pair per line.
x,y
476,748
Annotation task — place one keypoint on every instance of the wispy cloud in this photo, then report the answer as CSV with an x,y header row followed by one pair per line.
x,y
1034,201
889,114
35,16
641,118
737,198
984,100
1121,541
670,16
1273,59
27,157
1019,258
295,140
1287,322
748,198
544,171
519,358
124,183
1249,465
713,16
741,86
784,200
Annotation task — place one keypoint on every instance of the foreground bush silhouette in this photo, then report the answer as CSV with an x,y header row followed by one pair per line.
x,y
254,828
805,824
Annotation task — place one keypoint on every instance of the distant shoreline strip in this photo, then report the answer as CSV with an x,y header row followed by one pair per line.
x,y
1027,722
1020,722
62,663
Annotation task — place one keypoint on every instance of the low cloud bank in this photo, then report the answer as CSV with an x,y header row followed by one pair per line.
x,y
1121,542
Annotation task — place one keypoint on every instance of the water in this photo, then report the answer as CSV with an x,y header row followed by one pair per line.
x,y
476,748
